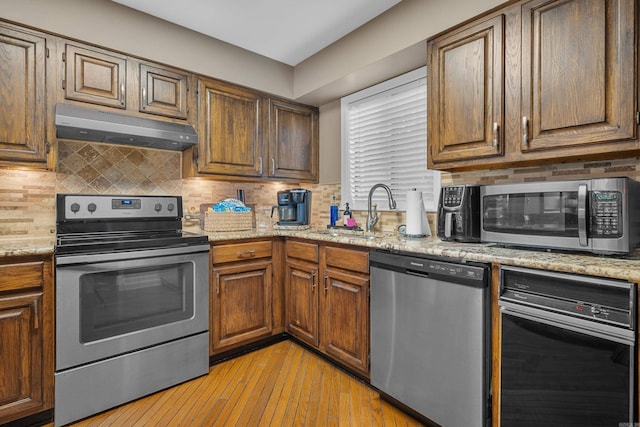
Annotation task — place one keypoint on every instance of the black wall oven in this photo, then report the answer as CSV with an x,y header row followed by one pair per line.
x,y
568,350
132,301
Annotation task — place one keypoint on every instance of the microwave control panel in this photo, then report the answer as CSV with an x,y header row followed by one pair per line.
x,y
606,214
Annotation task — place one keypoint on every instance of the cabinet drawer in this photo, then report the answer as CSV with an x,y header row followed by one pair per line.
x,y
240,251
21,276
303,250
348,259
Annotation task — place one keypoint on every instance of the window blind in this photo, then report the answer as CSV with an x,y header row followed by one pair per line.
x,y
384,140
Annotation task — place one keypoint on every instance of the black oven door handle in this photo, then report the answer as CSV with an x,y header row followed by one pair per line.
x,y
584,326
76,259
582,214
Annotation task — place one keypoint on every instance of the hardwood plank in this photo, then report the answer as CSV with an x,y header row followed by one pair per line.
x,y
280,385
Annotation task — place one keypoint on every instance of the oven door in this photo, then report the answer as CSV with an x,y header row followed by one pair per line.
x,y
110,304
560,371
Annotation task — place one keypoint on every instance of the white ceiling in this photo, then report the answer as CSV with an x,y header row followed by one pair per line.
x,y
288,31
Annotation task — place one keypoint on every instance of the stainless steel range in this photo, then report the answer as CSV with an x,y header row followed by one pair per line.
x,y
132,292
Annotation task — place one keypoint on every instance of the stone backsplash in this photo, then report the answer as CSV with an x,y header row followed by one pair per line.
x,y
27,198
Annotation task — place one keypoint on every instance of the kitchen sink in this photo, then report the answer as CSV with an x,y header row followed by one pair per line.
x,y
353,234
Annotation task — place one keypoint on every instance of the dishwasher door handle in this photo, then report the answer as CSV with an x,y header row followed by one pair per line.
x,y
418,274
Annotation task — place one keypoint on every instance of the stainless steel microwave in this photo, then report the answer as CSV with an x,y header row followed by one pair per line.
x,y
594,215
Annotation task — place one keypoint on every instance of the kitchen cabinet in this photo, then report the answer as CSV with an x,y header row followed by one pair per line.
x,y
293,141
536,82
466,80
331,313
301,291
26,327
23,131
345,307
114,80
246,135
240,294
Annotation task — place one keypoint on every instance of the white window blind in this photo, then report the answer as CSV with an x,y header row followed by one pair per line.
x,y
384,140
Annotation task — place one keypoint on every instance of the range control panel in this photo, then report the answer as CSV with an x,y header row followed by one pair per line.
x,y
93,207
606,214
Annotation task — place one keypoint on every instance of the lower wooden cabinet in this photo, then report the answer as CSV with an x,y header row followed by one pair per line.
x,y
26,328
243,292
327,301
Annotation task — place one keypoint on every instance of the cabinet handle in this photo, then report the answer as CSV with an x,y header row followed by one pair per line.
x,y
326,288
496,128
36,318
247,254
273,166
313,282
122,93
144,98
217,283
260,168
525,131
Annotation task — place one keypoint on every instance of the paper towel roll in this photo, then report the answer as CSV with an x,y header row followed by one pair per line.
x,y
417,224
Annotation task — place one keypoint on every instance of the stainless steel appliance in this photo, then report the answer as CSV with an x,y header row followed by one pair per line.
x,y
430,341
594,215
459,213
294,207
567,350
131,301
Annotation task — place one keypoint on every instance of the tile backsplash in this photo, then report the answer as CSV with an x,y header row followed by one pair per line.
x,y
27,198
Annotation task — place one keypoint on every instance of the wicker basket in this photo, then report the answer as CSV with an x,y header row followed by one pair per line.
x,y
228,221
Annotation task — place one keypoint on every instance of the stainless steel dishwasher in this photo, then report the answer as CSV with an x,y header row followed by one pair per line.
x,y
430,333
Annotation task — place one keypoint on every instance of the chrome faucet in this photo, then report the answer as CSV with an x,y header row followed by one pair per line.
x,y
372,214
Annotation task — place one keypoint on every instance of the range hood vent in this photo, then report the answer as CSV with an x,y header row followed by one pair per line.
x,y
87,124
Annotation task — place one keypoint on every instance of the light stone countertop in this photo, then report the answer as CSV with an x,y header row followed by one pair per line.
x,y
625,268
25,246
616,267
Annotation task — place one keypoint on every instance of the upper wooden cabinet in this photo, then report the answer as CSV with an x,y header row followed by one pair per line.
x,y
23,136
466,90
246,135
231,130
114,80
293,141
536,82
577,73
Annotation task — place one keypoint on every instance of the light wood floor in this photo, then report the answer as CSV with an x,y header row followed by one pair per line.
x,y
280,385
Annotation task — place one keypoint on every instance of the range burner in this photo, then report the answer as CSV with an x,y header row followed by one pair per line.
x,y
97,223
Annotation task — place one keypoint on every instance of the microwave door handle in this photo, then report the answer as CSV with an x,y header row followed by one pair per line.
x,y
448,218
582,214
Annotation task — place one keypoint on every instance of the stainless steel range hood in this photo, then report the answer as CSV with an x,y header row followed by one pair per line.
x,y
94,125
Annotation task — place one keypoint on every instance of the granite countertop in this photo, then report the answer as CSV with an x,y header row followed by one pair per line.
x,y
624,267
618,267
25,246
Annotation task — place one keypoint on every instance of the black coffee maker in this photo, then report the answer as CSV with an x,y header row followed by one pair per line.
x,y
294,207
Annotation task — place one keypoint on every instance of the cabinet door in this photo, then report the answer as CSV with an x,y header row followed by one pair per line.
x,y
240,303
466,93
302,301
293,141
22,91
163,92
345,319
21,387
95,77
232,122
578,72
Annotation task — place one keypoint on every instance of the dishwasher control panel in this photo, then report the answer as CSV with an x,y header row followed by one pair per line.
x,y
470,273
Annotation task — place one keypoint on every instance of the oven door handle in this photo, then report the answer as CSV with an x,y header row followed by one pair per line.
x,y
584,326
76,259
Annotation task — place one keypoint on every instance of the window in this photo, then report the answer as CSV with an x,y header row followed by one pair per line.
x,y
384,140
